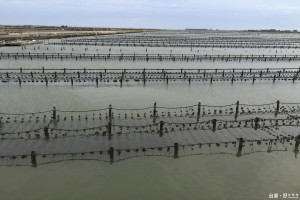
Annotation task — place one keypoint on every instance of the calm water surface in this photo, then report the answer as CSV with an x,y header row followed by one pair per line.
x,y
196,177
222,176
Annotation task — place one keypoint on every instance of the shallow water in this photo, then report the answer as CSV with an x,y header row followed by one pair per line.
x,y
221,176
15,99
196,177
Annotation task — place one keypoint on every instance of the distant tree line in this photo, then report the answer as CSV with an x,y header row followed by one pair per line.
x,y
273,30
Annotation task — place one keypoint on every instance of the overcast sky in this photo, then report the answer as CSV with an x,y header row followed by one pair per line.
x,y
171,14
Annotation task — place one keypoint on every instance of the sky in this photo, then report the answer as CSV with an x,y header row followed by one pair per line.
x,y
160,14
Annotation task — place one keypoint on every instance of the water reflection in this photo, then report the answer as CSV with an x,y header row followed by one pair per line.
x,y
176,151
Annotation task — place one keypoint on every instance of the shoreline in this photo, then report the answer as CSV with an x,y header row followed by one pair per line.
x,y
17,37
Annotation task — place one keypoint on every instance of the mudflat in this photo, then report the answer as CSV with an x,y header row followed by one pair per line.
x,y
26,35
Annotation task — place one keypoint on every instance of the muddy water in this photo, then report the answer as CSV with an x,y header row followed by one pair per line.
x,y
197,177
15,99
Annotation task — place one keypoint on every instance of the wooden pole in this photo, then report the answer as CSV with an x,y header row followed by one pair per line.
x,y
256,120
214,122
111,155
241,142
297,140
109,128
33,159
110,112
176,149
144,76
237,108
154,112
54,113
46,132
161,128
198,111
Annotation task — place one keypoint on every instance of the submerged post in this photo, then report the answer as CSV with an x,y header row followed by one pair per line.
x,y
33,159
198,111
121,81
109,112
241,142
237,109
161,128
46,132
176,149
297,139
154,112
277,105
54,113
111,155
109,129
214,122
256,120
